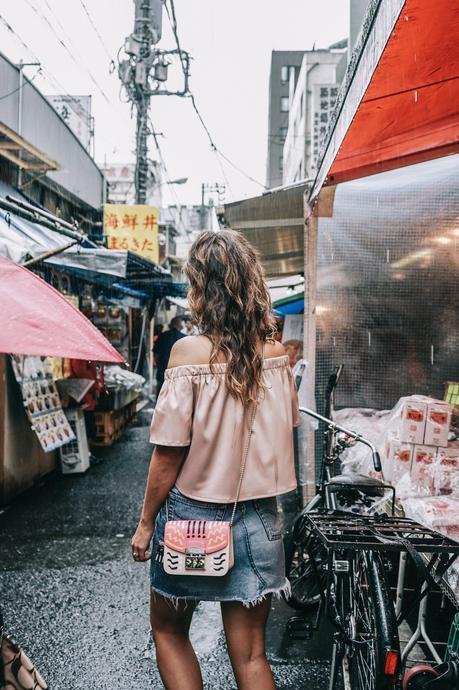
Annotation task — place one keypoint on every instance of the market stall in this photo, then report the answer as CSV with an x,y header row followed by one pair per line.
x,y
32,421
381,275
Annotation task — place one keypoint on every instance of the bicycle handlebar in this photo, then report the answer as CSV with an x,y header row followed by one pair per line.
x,y
360,439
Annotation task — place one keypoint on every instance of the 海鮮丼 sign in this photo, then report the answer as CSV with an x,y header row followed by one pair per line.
x,y
132,227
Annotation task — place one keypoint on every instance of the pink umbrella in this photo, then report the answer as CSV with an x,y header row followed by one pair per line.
x,y
35,319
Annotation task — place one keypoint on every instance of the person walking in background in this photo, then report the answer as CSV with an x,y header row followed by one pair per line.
x,y
189,327
222,430
163,346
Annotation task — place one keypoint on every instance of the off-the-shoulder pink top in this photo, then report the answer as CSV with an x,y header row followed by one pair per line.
x,y
195,409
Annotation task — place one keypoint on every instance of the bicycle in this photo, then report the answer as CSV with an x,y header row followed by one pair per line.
x,y
338,560
350,491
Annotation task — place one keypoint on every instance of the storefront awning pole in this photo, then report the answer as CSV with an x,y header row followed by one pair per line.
x,y
309,348
47,255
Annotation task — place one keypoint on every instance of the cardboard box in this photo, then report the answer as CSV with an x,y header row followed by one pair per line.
x,y
423,468
397,461
446,473
437,424
413,419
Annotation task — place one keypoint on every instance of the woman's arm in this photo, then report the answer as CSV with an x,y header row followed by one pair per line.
x,y
165,465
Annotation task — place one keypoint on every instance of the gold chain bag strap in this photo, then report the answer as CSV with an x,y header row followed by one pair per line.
x,y
17,672
203,547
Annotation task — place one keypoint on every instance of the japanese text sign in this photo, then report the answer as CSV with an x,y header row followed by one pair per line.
x,y
134,228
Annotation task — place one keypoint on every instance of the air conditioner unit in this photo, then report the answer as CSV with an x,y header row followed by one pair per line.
x,y
75,455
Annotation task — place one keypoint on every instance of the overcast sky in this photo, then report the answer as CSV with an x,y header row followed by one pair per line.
x,y
230,42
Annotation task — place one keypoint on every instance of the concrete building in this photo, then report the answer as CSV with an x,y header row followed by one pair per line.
x,y
120,178
313,94
302,91
283,64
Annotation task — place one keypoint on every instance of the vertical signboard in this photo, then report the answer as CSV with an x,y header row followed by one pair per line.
x,y
132,227
324,100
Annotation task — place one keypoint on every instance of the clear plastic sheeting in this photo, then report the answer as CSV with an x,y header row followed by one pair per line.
x,y
368,423
387,286
116,376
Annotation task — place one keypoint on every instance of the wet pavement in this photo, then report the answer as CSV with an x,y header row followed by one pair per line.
x,y
72,595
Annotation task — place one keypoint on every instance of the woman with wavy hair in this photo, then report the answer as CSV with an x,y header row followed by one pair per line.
x,y
222,423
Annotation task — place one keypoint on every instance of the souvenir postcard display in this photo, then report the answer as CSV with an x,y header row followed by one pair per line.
x,y
41,401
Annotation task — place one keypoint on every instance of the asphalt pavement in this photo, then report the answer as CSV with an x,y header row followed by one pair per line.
x,y
73,597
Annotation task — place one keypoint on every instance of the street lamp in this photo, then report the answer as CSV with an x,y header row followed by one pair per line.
x,y
180,180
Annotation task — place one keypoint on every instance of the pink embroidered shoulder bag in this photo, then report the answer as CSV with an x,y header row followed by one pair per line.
x,y
203,547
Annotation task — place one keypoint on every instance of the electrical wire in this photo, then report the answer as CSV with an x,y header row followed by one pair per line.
x,y
173,21
19,88
45,19
225,178
60,89
163,163
96,30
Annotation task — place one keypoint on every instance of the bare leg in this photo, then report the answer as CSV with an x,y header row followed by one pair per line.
x,y
170,625
245,637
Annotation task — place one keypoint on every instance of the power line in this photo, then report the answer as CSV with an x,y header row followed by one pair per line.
x,y
19,88
60,89
96,30
163,163
214,147
67,49
225,178
45,72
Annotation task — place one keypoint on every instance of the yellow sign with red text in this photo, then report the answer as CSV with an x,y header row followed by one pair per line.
x,y
134,228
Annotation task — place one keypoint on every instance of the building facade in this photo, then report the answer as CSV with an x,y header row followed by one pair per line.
x,y
313,94
284,63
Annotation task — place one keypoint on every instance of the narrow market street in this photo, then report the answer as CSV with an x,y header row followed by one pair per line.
x,y
73,596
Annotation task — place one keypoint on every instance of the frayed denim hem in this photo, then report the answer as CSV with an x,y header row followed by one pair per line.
x,y
278,592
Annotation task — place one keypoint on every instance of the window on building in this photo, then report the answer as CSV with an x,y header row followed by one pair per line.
x,y
283,134
281,164
284,73
284,104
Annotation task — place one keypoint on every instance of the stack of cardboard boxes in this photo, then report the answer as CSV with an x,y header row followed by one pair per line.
x,y
423,464
416,444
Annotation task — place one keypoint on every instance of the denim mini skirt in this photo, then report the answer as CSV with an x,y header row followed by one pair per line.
x,y
259,562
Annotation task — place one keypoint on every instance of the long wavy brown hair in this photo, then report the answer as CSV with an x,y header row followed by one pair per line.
x,y
230,303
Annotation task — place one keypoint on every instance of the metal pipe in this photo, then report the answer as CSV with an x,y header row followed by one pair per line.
x,y
34,217
41,212
21,86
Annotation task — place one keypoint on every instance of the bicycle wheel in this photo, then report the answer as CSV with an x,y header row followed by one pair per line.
x,y
305,579
372,646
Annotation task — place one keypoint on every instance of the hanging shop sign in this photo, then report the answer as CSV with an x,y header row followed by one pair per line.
x,y
134,228
41,401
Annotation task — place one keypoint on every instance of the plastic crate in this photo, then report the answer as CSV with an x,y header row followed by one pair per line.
x,y
452,648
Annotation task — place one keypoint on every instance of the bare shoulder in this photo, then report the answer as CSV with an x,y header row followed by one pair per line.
x,y
192,349
274,349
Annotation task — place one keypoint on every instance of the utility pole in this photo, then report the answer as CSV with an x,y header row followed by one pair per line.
x,y
142,73
21,66
147,31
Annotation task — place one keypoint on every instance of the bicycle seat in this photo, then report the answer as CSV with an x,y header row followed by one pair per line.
x,y
369,485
